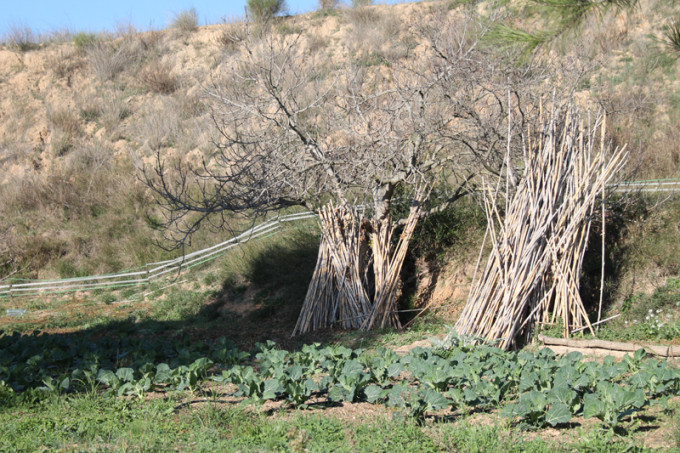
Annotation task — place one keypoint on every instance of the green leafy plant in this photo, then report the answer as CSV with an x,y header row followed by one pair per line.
x,y
611,402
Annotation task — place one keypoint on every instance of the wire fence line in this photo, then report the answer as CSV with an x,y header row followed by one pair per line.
x,y
649,186
149,272
152,271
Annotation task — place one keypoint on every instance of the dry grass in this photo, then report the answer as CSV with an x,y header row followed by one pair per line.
x,y
158,77
160,126
108,59
114,109
63,63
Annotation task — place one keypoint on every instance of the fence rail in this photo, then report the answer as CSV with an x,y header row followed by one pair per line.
x,y
649,186
149,272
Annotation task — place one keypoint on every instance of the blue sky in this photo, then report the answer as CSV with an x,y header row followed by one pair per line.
x,y
92,16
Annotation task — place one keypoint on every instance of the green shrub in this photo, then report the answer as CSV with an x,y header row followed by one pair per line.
x,y
672,35
360,3
83,40
186,21
263,10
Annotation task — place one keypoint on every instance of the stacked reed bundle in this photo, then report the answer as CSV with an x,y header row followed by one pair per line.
x,y
356,280
532,274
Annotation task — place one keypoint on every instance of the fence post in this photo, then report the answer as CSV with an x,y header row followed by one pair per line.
x,y
148,281
11,299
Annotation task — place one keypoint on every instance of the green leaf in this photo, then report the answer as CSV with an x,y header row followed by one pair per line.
x,y
336,393
163,373
395,369
558,413
593,406
634,398
311,386
435,400
126,374
373,393
272,388
65,383
536,400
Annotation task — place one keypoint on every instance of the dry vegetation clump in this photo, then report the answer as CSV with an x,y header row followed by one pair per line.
x,y
108,59
157,76
186,21
21,38
63,63
261,11
64,130
328,5
231,36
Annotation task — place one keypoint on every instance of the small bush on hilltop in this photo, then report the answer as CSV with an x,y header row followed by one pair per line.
x,y
21,38
186,21
328,4
263,10
82,40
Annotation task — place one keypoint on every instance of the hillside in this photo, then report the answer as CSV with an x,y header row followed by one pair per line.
x,y
82,116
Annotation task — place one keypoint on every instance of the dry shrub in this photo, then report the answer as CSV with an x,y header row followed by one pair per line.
x,y
65,128
231,35
62,63
190,104
159,127
362,16
152,41
157,77
376,36
114,109
186,21
315,43
328,4
64,120
21,38
108,59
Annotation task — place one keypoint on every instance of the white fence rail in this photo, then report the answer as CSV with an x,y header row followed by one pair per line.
x,y
149,272
650,186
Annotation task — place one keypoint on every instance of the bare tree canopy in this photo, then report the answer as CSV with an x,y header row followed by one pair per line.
x,y
295,131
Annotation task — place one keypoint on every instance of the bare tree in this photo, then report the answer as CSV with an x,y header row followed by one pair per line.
x,y
343,142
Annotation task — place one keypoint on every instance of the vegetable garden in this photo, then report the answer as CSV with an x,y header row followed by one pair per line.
x,y
532,390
